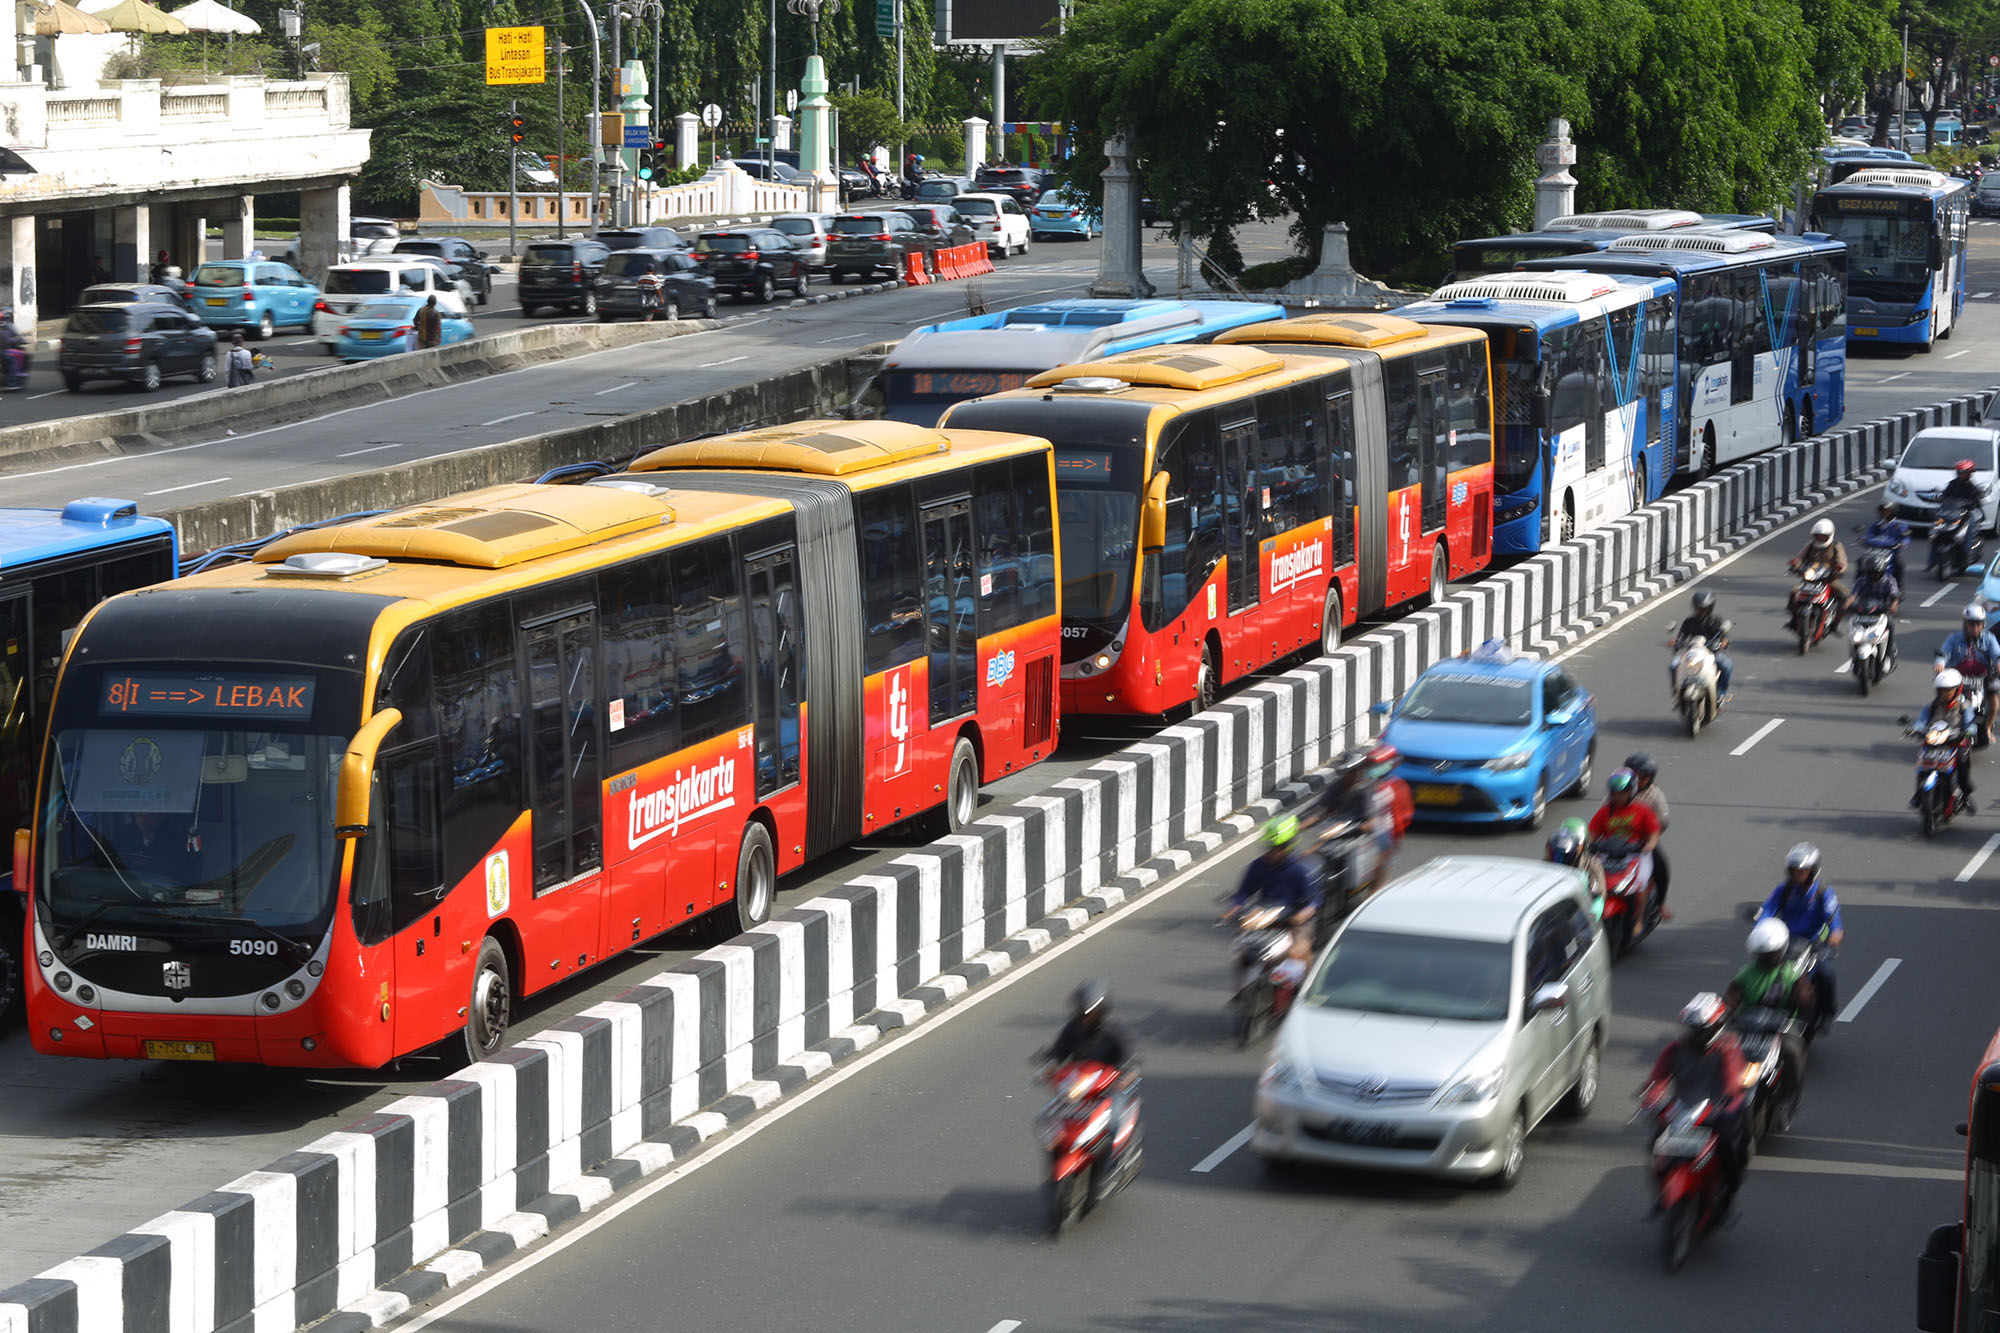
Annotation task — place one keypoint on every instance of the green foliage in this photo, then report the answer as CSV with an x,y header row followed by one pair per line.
x,y
1270,276
867,118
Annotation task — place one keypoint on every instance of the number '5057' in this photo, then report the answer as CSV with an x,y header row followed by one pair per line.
x,y
253,946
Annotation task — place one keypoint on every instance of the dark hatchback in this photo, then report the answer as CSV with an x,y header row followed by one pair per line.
x,y
687,293
752,262
141,342
466,261
864,244
941,223
561,274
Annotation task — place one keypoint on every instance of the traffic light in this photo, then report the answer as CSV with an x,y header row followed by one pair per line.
x,y
517,128
652,160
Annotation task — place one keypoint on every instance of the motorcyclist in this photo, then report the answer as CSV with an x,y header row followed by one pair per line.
x,y
1358,793
1821,548
1949,705
1888,533
1647,774
1278,877
1964,488
1623,819
13,352
1772,979
1569,845
1877,593
1704,1063
1712,629
1810,910
1090,1035
1974,653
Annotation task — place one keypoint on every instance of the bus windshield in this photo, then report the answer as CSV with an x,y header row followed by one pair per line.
x,y
1516,371
1888,257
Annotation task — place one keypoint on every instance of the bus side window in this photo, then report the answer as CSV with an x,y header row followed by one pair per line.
x,y
61,599
1202,452
890,570
1037,550
1399,384
708,629
996,537
1164,594
635,608
1277,474
410,827
1337,469
1747,302
477,684
1435,436
1469,436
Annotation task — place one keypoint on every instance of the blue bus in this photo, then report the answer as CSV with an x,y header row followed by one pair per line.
x,y
1905,228
1586,233
1583,395
942,364
1760,338
55,565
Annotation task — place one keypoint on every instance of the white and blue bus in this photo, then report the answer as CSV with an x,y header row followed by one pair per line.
x,y
942,364
1583,395
1905,229
1760,340
1586,233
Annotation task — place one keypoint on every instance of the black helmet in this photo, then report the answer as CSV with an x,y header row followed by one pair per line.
x,y
1875,563
1091,999
1704,600
1642,766
1565,847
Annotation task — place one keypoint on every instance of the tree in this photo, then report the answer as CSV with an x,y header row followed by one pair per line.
x,y
867,118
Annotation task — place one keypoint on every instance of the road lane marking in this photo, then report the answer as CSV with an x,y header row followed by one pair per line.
x,y
1756,736
1891,379
212,481
1005,1326
1953,356
308,342
1979,858
1939,595
1981,296
501,421
1223,1154
374,449
727,361
1867,993
50,394
617,388
1845,667
1888,1171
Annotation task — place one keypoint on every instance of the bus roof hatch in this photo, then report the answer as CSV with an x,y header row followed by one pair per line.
x,y
1711,242
1178,367
489,529
822,448
1330,328
1626,219
1567,288
1905,177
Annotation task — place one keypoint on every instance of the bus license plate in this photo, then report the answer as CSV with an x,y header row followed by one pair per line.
x,y
218,300
180,1050
1430,793
1864,333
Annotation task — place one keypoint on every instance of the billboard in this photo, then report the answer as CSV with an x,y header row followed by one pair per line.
x,y
1011,23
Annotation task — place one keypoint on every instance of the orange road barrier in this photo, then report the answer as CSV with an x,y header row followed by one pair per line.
x,y
913,269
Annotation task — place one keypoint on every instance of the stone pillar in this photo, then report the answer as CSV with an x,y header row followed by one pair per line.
x,y
975,144
131,241
1119,272
17,241
1555,188
189,246
638,111
687,139
816,144
239,233
781,134
324,222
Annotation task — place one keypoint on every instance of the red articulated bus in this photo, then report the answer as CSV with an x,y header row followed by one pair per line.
x,y
1228,505
350,800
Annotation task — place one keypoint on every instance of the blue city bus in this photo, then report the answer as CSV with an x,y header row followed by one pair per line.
x,y
55,565
1760,339
1583,395
1905,228
1586,233
942,364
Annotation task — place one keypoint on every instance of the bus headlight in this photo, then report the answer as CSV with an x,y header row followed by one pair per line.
x,y
1102,662
63,982
296,989
86,995
271,1000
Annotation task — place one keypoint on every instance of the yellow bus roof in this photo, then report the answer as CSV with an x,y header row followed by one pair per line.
x,y
1389,335
861,453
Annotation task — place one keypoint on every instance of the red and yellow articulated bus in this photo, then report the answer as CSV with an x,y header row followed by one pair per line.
x,y
350,800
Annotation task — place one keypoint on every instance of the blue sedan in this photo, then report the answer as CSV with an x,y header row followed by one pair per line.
x,y
1060,213
1489,737
384,328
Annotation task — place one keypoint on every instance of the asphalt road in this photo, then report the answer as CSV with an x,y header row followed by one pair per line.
x,y
87,1149
906,1197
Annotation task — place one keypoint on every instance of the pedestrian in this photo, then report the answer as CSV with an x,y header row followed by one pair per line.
x,y
241,365
430,329
97,271
160,267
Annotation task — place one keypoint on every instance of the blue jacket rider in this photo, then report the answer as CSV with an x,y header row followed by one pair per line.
x,y
1277,878
1810,909
1974,653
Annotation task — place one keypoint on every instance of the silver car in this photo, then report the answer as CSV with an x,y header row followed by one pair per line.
x,y
1451,1013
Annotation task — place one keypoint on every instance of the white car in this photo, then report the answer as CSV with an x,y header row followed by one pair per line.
x,y
1927,463
808,232
995,219
1454,1010
348,286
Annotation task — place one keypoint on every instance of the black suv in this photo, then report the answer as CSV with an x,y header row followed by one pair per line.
x,y
687,292
865,244
126,293
940,222
752,261
140,342
649,238
1023,185
561,274
466,261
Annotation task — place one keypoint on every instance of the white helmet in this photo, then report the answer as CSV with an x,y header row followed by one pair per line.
x,y
1822,531
1975,613
1769,936
1947,679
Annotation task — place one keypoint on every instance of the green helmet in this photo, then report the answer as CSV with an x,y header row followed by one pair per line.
x,y
1279,832
1578,827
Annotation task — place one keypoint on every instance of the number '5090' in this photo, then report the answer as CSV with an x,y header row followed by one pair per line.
x,y
253,946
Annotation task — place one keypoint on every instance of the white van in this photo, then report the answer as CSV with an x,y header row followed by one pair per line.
x,y
350,285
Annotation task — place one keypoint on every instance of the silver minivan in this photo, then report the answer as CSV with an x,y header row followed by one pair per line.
x,y
1453,1011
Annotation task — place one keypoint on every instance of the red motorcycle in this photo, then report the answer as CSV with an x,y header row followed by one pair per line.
x,y
1687,1170
1812,603
1631,908
1091,1134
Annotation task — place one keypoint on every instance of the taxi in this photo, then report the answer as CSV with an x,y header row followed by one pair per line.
x,y
1491,736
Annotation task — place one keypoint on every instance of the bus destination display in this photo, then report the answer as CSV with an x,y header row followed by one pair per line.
x,y
237,694
1084,464
964,383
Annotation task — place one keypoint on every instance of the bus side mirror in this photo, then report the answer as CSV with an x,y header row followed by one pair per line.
x,y
357,774
1538,408
1936,256
1153,517
1937,1279
24,842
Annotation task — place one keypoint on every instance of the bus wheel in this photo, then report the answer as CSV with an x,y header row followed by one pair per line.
x,y
1440,576
492,1005
1329,621
1566,525
1205,690
756,884
961,789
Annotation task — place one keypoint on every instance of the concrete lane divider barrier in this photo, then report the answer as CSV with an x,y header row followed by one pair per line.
x,y
356,1227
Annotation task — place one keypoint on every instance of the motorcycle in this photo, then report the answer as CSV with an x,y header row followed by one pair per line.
x,y
1870,649
1696,684
1347,858
652,290
14,363
1263,939
1893,547
1687,1171
1954,538
1812,604
1945,747
1091,1158
1631,908
1774,1091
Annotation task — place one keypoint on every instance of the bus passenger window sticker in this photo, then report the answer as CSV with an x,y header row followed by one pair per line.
x,y
137,773
499,891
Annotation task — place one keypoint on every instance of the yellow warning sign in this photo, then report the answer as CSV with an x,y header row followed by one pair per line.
x,y
514,55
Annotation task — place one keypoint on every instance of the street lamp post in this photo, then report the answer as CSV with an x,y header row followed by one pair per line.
x,y
596,105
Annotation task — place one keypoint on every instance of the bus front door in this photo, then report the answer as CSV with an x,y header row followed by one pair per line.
x,y
1242,544
566,770
951,634
772,583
